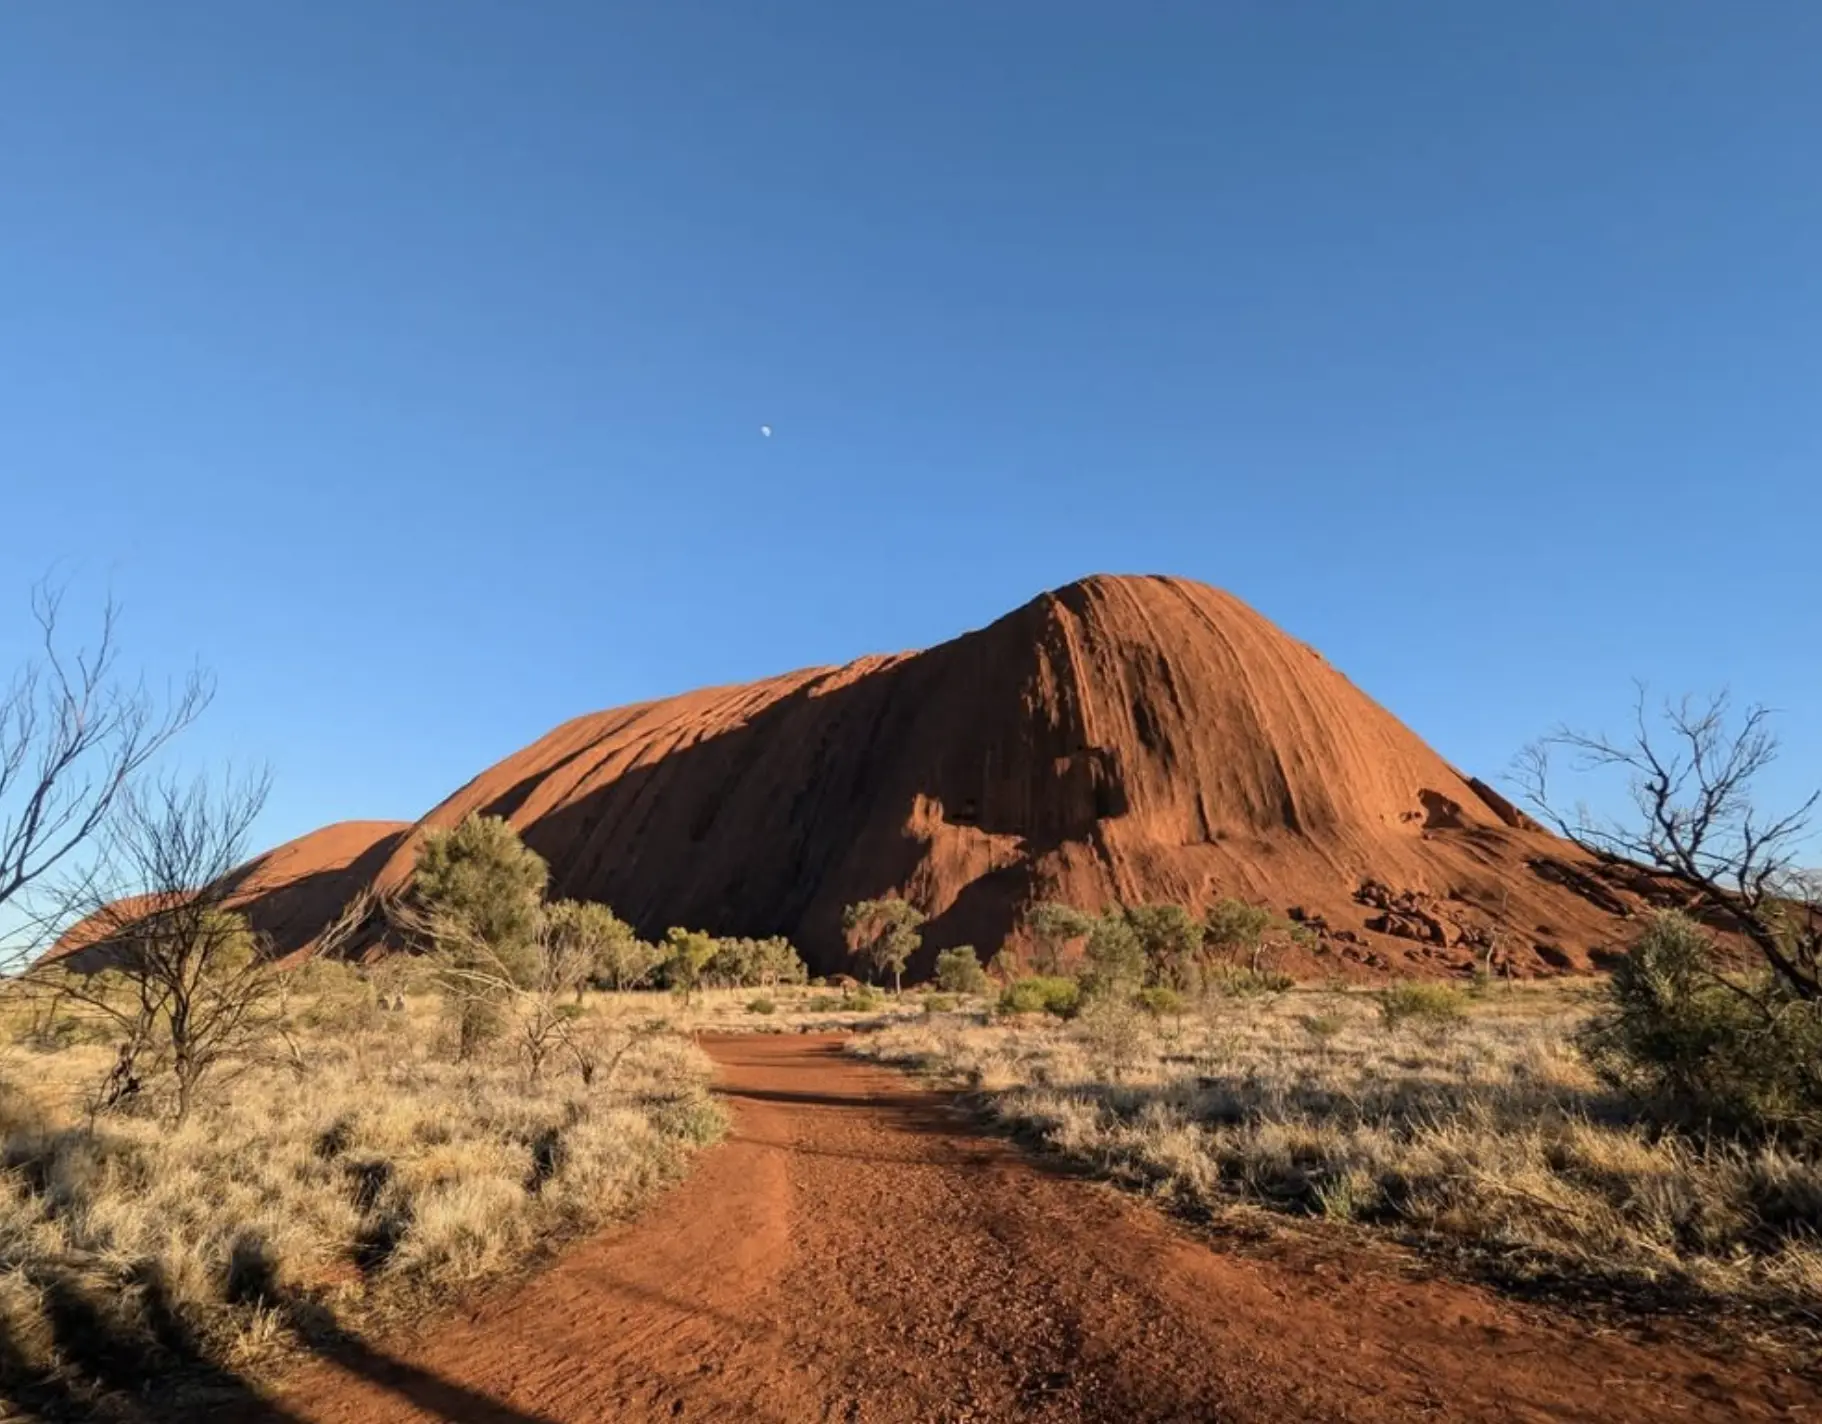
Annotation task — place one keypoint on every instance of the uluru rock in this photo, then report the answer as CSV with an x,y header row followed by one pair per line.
x,y
289,894
1121,738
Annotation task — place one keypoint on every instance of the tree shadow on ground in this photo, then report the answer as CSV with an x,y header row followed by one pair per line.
x,y
99,1366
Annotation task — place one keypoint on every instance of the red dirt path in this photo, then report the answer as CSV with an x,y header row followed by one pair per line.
x,y
857,1251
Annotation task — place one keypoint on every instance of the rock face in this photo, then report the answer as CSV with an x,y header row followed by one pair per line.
x,y
289,895
1127,739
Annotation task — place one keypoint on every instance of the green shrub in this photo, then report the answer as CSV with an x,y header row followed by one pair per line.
x,y
958,971
761,1006
1113,960
1233,926
1424,1003
1700,1049
823,1004
1237,982
480,892
862,1000
1059,997
1160,1001
939,1003
1170,938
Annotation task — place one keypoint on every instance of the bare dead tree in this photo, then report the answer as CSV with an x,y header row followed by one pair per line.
x,y
529,986
161,951
1696,822
561,966
73,735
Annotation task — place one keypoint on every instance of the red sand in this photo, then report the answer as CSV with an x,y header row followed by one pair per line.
x,y
856,1252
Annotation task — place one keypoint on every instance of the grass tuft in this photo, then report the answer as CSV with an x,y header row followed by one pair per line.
x,y
1482,1132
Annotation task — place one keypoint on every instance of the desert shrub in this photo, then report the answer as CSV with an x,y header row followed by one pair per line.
x,y
939,1003
861,1000
483,875
761,1006
1042,994
1239,982
584,930
326,993
1052,926
1162,1002
1699,1048
1114,1032
958,971
1170,941
823,1004
1424,1004
1113,961
1234,927
479,891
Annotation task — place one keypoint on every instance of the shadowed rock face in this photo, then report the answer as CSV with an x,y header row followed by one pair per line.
x,y
1121,738
289,894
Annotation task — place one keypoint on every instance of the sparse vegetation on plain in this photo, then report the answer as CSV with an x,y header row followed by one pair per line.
x,y
345,1179
1492,1138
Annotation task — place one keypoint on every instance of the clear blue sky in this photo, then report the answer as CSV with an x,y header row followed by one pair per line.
x,y
405,362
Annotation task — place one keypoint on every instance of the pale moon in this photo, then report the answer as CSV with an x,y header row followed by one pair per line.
x,y
766,431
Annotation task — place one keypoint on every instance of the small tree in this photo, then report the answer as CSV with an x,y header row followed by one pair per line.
x,y
885,933
477,894
561,961
958,971
1171,941
1233,928
589,933
186,980
776,961
1113,961
1052,927
687,955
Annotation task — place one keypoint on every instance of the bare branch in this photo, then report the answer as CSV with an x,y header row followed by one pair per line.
x,y
73,735
173,966
1694,820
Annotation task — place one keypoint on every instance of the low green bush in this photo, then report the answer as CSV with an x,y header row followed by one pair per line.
x,y
1237,982
761,1006
939,1003
1425,1004
1705,1049
1161,1002
823,1004
1059,997
958,971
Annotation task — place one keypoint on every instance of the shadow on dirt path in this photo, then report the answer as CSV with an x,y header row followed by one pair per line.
x,y
856,1251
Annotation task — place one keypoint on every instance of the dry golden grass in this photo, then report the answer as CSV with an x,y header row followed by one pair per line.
x,y
1486,1135
351,1175
794,1009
